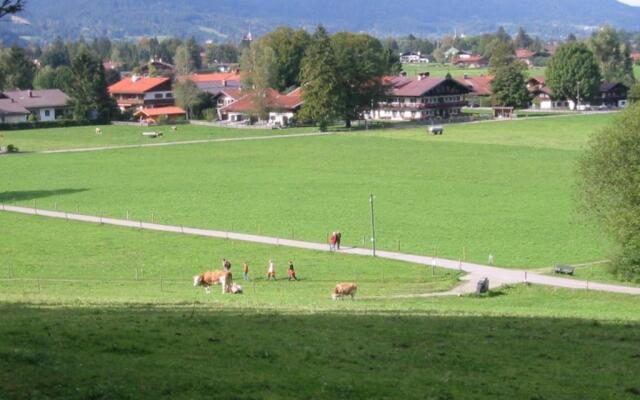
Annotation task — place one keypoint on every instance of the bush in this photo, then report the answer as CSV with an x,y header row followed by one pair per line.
x,y
12,149
210,114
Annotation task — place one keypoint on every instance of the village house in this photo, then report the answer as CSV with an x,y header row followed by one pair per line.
x,y
413,58
480,87
280,108
610,95
138,92
159,67
528,57
43,105
155,115
215,83
470,61
420,98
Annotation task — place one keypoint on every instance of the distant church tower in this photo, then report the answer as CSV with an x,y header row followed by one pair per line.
x,y
246,40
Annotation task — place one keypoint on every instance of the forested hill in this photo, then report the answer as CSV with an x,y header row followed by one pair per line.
x,y
222,20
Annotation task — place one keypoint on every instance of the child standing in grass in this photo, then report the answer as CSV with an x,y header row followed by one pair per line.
x,y
271,272
292,271
245,271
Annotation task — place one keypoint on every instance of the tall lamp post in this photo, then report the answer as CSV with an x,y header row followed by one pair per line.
x,y
373,226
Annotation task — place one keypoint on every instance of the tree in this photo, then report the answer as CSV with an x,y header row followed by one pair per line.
x,y
573,73
260,75
194,53
572,38
54,78
322,92
187,95
614,56
10,7
361,63
634,93
56,55
509,86
522,40
502,35
609,188
17,69
288,47
88,90
501,53
184,62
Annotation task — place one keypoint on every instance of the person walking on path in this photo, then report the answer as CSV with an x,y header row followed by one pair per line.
x,y
292,272
245,271
332,241
338,239
271,272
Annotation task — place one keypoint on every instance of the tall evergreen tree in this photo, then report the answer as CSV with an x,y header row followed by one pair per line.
x,y
10,7
613,55
322,92
17,69
522,40
88,90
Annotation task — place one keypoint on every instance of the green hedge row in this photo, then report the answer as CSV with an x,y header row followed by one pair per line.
x,y
44,124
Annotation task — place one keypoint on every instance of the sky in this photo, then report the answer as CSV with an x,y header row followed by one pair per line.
x,y
631,2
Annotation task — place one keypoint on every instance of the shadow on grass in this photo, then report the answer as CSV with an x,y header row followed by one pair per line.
x,y
25,195
206,352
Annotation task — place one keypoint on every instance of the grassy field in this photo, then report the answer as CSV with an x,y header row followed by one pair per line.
x,y
440,70
85,136
494,188
76,324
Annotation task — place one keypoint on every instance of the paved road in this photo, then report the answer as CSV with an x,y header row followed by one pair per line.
x,y
500,276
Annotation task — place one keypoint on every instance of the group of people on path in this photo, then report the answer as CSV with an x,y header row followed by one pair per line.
x,y
271,270
334,241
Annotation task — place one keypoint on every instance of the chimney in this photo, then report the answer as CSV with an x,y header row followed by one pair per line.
x,y
30,93
224,83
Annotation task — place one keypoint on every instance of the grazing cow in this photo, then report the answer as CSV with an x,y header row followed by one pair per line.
x,y
211,278
344,289
98,131
174,128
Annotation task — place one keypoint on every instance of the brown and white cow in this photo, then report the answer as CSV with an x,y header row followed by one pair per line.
x,y
210,278
344,289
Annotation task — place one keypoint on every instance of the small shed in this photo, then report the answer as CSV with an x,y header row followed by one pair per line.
x,y
503,112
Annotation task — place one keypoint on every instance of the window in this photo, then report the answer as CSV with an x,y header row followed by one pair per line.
x,y
158,95
169,95
47,113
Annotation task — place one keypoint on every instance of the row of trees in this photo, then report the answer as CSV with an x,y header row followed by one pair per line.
x,y
341,74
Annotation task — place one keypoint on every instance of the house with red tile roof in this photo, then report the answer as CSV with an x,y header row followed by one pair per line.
x,y
137,92
281,108
45,105
420,98
470,61
527,56
480,87
154,115
215,83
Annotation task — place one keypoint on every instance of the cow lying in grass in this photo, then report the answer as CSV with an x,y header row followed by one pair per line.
x,y
344,289
211,278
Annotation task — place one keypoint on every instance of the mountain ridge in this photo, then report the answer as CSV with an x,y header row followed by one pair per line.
x,y
230,19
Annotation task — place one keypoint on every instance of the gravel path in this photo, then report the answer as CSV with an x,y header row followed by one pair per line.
x,y
497,276
179,143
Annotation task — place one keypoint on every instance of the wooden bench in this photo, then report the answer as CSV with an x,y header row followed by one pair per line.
x,y
563,269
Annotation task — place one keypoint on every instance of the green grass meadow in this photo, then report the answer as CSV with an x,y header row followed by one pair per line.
x,y
77,324
502,188
91,311
124,135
